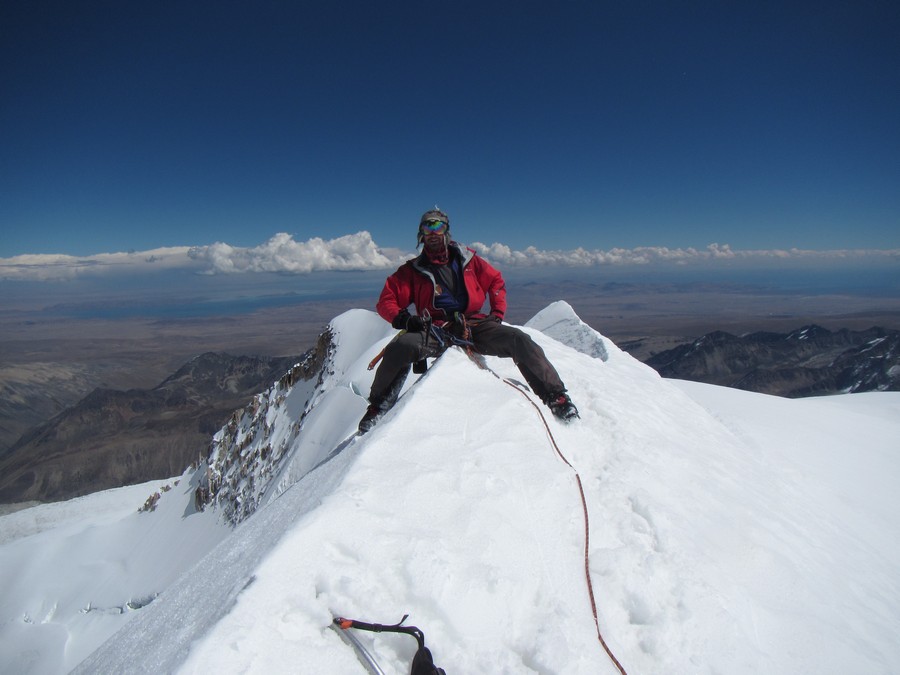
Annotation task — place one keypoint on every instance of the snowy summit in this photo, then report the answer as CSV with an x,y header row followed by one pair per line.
x,y
729,532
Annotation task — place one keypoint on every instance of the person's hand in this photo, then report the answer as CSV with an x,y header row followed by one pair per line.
x,y
411,324
415,324
400,320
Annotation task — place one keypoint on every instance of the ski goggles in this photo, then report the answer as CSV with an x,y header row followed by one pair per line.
x,y
434,227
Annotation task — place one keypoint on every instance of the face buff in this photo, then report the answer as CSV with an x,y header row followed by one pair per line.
x,y
434,238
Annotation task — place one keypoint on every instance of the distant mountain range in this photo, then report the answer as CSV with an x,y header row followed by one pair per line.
x,y
811,361
112,438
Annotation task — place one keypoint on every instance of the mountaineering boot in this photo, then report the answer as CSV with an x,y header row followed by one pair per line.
x,y
562,407
370,418
383,402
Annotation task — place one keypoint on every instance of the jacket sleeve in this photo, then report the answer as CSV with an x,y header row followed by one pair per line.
x,y
492,281
396,295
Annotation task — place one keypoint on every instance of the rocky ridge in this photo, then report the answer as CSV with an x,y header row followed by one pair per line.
x,y
810,361
243,459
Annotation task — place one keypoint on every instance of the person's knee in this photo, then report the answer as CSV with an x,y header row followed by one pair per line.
x,y
525,344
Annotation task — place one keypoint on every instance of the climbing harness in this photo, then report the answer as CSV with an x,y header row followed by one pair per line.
x,y
422,663
440,335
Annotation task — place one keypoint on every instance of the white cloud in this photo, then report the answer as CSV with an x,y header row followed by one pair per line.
x,y
282,254
60,267
646,255
358,252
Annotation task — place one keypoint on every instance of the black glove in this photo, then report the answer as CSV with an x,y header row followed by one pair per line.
x,y
411,324
415,324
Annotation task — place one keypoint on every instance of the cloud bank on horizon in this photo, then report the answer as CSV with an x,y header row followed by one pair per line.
x,y
282,254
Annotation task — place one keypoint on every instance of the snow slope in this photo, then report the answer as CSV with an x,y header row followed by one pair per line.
x,y
730,532
74,572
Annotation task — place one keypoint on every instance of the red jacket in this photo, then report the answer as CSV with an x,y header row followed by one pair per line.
x,y
413,284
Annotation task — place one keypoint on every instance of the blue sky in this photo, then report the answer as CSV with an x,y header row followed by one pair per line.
x,y
766,125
